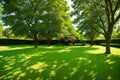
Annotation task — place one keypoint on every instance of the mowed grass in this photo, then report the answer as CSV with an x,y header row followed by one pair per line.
x,y
58,63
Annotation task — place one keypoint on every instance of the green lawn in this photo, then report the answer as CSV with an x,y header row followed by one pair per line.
x,y
58,63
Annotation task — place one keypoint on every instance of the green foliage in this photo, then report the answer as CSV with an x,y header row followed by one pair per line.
x,y
7,32
45,19
1,24
1,29
116,32
56,20
0,10
100,15
24,16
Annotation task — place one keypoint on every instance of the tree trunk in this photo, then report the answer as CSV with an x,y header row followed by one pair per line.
x,y
35,40
48,42
91,41
108,40
73,42
108,37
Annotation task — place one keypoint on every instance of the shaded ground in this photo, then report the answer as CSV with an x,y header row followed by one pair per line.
x,y
58,63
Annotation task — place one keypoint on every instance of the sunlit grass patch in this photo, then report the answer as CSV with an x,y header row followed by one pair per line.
x,y
58,63
2,48
101,50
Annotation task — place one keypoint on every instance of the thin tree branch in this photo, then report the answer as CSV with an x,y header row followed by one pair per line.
x,y
99,4
117,18
103,25
107,11
111,10
116,6
98,31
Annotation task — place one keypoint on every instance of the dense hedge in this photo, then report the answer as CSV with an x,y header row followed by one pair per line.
x,y
14,42
117,41
29,42
114,42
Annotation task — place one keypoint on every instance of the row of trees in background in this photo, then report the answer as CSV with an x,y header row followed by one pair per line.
x,y
36,19
50,19
101,16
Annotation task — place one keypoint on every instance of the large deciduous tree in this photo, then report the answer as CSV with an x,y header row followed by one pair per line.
x,y
106,14
45,18
54,20
24,16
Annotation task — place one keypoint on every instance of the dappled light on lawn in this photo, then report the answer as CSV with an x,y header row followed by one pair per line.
x,y
2,48
101,50
38,66
58,63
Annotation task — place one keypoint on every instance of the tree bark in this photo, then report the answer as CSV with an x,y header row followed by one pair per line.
x,y
91,42
35,40
48,40
108,40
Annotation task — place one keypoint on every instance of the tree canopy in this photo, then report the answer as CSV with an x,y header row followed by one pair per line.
x,y
45,18
101,15
1,24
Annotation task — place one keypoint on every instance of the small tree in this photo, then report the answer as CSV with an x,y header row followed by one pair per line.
x,y
55,21
7,32
1,24
24,17
70,39
1,29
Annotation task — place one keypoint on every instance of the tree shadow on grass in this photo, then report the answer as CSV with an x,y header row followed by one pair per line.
x,y
58,63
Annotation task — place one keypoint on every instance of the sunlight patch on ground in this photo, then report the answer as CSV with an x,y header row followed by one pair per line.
x,y
49,47
110,62
10,75
65,77
64,51
64,64
38,78
54,66
93,75
16,73
7,67
23,57
100,50
1,56
3,48
40,66
84,59
115,51
21,75
109,78
74,71
52,73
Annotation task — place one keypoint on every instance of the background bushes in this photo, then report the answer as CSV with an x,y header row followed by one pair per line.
x,y
114,42
15,42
